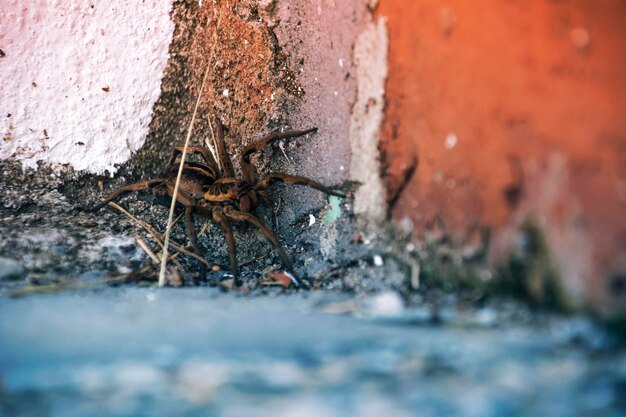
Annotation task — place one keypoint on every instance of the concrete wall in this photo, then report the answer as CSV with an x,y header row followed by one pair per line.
x,y
496,117
79,79
505,112
279,65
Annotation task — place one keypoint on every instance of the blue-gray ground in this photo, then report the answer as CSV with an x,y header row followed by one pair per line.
x,y
201,352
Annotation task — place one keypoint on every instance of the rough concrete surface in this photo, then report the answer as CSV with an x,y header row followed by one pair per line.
x,y
79,80
271,65
501,113
370,53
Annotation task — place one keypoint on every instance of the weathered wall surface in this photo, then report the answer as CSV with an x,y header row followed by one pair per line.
x,y
280,65
272,65
501,112
79,80
497,115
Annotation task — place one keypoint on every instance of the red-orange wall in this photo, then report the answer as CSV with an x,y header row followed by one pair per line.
x,y
535,93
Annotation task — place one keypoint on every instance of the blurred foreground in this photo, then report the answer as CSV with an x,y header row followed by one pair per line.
x,y
200,352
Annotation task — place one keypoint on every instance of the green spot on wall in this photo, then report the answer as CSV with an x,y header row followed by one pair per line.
x,y
334,210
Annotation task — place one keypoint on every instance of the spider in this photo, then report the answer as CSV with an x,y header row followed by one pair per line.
x,y
212,190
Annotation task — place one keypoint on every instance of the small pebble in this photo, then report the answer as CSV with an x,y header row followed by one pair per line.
x,y
487,317
385,304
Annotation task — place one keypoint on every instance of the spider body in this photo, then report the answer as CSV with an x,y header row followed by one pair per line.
x,y
211,189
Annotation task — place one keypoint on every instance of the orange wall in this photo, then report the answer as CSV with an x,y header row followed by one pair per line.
x,y
535,93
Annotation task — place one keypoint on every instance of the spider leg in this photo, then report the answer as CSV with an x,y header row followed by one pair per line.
x,y
201,150
268,234
272,137
247,169
191,232
225,161
122,191
222,220
266,181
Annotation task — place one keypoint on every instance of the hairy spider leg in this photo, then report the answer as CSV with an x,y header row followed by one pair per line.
x,y
193,238
225,162
247,169
138,186
268,234
266,181
200,150
231,246
191,230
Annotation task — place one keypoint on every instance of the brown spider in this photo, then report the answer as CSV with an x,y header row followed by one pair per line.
x,y
208,191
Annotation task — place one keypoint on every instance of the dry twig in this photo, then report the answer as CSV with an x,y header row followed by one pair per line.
x,y
177,184
72,284
158,238
147,250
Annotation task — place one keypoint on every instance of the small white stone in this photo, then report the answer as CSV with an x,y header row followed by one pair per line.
x,y
341,168
406,224
378,260
311,220
485,275
225,93
487,317
386,304
341,62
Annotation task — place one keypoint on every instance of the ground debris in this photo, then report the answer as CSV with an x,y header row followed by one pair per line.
x,y
10,269
279,278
